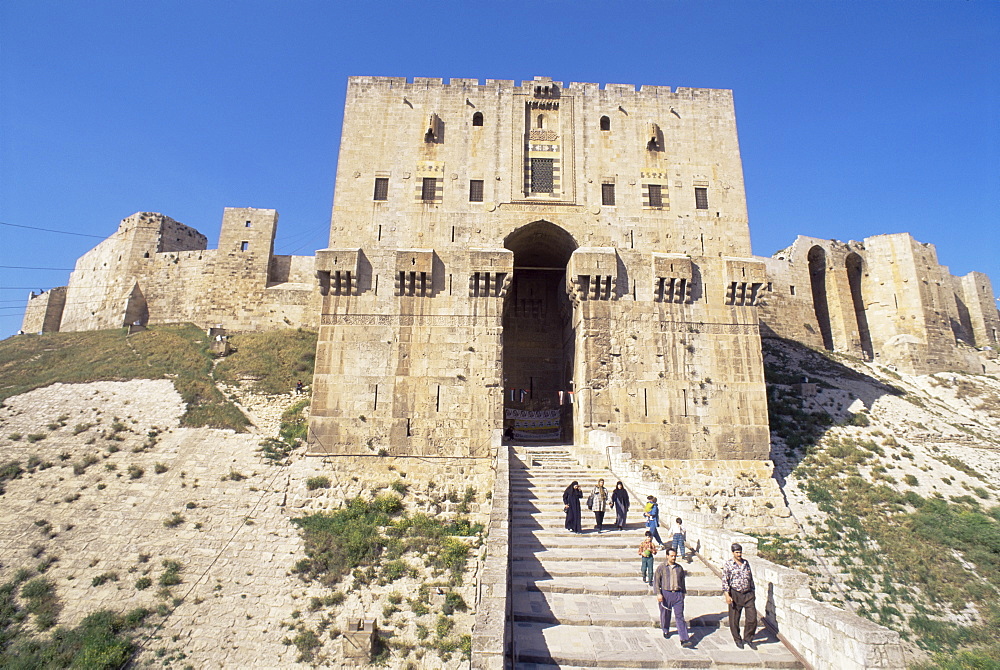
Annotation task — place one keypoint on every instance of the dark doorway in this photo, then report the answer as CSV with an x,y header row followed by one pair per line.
x,y
538,338
855,271
817,278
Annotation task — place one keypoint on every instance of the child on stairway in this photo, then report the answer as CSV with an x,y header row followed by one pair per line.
x,y
647,549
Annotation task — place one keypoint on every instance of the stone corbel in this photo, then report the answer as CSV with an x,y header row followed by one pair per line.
x,y
490,272
744,279
337,271
673,276
592,274
414,272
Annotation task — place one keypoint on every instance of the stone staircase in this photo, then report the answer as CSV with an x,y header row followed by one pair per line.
x,y
578,601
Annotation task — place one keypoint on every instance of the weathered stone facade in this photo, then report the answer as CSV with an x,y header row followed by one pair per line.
x,y
513,247
156,270
571,252
886,299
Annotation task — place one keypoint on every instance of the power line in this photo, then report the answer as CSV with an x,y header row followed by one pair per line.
x,y
50,230
25,267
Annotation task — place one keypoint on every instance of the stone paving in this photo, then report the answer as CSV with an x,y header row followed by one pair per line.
x,y
579,601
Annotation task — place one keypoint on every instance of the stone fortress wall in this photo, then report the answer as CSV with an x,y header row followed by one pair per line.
x,y
498,247
557,230
885,299
154,270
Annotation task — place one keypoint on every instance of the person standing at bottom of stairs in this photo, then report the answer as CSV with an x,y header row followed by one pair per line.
x,y
670,590
738,586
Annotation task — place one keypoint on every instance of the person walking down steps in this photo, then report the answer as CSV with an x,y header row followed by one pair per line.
x,y
669,585
571,505
598,502
738,587
652,515
620,501
647,549
678,537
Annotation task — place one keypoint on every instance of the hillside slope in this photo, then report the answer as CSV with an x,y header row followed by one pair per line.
x,y
893,481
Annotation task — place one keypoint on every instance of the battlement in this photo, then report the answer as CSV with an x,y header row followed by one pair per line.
x,y
527,86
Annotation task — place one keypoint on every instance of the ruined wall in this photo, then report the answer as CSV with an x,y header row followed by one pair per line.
x,y
101,288
44,311
452,195
886,299
156,270
978,307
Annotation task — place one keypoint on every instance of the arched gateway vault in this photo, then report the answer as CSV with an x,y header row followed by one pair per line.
x,y
538,340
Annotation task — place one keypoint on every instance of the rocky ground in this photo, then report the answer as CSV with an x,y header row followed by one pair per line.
x,y
115,495
937,436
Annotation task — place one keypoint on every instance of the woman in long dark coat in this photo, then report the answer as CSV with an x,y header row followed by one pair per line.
x,y
619,498
571,502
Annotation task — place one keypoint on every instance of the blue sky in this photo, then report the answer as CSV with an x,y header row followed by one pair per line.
x,y
855,119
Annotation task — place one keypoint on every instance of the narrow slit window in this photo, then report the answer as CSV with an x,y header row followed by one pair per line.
x,y
605,123
428,189
244,246
541,175
608,194
477,119
475,190
700,197
381,188
655,195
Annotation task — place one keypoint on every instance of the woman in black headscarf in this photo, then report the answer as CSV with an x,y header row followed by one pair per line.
x,y
571,503
619,498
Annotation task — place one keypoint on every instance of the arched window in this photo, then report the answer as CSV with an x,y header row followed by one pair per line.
x,y
541,121
477,119
605,123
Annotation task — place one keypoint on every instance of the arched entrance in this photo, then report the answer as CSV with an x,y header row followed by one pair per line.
x,y
855,270
817,279
538,338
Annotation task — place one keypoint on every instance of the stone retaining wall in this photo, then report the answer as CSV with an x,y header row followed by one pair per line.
x,y
491,632
828,638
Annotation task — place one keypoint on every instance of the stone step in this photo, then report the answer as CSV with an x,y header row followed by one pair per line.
x,y
572,609
551,568
599,556
604,586
610,540
541,646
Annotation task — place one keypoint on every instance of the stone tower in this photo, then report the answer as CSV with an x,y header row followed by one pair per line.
x,y
571,260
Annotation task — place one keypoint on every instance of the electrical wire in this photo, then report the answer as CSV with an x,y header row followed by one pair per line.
x,y
50,230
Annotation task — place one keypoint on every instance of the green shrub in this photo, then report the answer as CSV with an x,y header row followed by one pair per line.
x,y
42,601
135,472
454,602
393,570
171,573
175,519
319,482
306,642
143,583
104,578
387,504
160,468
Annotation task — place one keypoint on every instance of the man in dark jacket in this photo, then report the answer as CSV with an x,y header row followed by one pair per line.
x,y
669,584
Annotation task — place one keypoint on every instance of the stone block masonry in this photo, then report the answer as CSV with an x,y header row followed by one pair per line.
x,y
571,255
